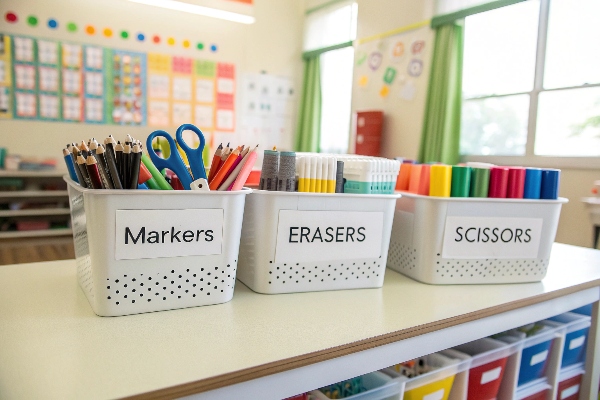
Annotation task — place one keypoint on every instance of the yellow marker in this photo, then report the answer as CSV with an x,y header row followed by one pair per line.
x,y
440,180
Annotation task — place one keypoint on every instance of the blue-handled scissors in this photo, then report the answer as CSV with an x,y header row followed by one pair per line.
x,y
174,162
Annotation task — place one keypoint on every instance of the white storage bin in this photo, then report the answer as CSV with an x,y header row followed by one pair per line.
x,y
378,386
121,275
275,257
430,242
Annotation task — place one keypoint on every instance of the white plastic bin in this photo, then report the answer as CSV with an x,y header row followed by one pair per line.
x,y
443,240
577,328
377,385
126,264
301,242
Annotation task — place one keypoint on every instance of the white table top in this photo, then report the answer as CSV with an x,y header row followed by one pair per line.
x,y
54,346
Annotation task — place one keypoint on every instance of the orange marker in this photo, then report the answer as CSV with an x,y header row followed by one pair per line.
x,y
424,181
403,177
225,168
415,178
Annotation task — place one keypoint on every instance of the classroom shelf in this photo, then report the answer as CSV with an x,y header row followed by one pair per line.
x,y
18,194
262,346
32,174
36,233
34,212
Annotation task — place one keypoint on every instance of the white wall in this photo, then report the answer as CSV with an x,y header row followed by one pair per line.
x,y
271,44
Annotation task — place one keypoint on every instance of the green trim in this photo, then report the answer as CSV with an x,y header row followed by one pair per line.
x,y
315,53
322,6
451,17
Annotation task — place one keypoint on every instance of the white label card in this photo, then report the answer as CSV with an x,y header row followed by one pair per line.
x,y
481,238
306,236
167,233
491,375
538,358
439,395
577,342
568,392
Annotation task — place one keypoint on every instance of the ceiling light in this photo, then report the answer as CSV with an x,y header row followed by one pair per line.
x,y
200,10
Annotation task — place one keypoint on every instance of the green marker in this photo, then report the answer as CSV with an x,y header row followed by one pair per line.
x,y
156,175
461,181
480,181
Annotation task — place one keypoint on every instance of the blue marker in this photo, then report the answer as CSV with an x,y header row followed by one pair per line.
x,y
533,183
550,183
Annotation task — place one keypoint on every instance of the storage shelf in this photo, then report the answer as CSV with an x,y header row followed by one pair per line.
x,y
32,174
34,212
37,233
33,193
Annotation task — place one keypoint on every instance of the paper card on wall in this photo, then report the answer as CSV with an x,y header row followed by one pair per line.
x,y
159,62
71,108
71,81
4,100
23,49
225,70
225,85
93,57
158,113
375,59
25,77
224,119
207,69
205,91
361,57
48,79
94,83
158,86
415,67
397,52
71,55
182,113
47,52
204,116
385,91
417,46
363,81
25,104
182,65
94,110
3,71
389,75
182,88
49,106
408,91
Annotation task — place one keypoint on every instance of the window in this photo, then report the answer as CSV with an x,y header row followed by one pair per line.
x,y
531,82
326,27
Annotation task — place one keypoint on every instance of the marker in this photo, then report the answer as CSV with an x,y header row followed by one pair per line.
x,y
480,182
415,178
550,184
440,180
424,180
498,182
533,183
516,183
403,176
158,177
461,181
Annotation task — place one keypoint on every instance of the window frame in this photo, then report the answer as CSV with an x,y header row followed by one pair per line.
x,y
530,159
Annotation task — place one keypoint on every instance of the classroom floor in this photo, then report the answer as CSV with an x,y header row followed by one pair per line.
x,y
18,251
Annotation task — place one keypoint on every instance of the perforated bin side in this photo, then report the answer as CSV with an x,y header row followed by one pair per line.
x,y
121,287
417,240
258,268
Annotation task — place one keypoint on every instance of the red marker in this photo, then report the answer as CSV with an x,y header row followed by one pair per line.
x,y
498,182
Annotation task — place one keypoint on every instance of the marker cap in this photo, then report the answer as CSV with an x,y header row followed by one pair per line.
x,y
461,181
533,183
498,182
550,184
516,183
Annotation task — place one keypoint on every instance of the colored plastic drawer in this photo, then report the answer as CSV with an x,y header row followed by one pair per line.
x,y
535,392
577,328
375,385
488,364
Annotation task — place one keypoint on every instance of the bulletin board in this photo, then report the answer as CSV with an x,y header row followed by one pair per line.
x,y
50,80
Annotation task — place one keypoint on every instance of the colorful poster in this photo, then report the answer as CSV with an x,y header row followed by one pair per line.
x,y
6,106
225,96
49,88
128,75
94,85
25,78
159,90
72,88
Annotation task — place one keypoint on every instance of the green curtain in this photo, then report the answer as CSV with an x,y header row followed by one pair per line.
x,y
308,135
440,138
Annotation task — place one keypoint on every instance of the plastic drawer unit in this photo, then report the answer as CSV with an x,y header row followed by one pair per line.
x,y
375,385
577,329
569,384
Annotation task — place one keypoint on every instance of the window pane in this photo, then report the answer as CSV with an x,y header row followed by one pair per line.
x,y
499,50
336,88
495,126
330,26
568,123
572,56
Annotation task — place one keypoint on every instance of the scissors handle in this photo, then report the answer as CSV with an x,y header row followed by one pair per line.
x,y
173,162
194,155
